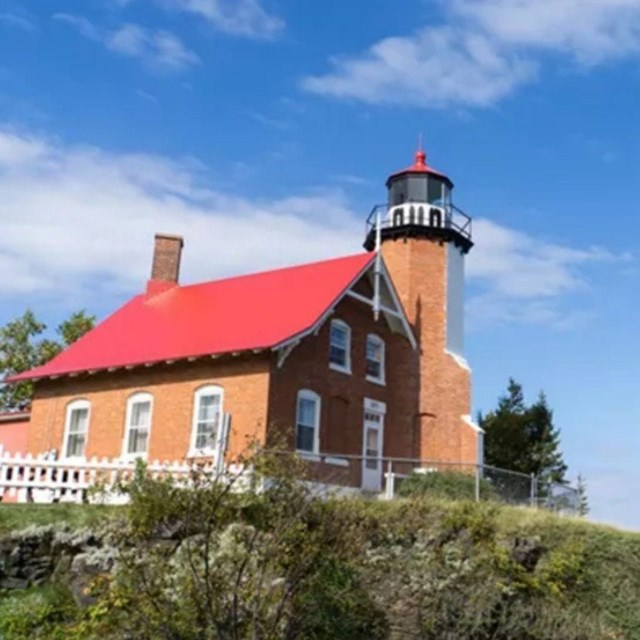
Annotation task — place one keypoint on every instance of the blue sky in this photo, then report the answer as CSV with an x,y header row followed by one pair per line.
x,y
263,130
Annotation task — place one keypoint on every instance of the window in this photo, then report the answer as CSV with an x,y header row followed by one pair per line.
x,y
76,427
340,346
308,422
375,359
207,417
138,424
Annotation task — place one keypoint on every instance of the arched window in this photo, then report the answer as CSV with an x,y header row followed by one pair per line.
x,y
375,359
398,217
340,346
308,421
137,425
207,420
76,428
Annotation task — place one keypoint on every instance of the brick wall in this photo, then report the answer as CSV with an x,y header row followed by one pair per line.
x,y
418,268
426,394
245,381
13,432
342,395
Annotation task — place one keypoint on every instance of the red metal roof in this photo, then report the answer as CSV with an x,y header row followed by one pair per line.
x,y
243,313
420,166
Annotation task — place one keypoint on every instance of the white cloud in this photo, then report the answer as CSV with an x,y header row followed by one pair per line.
x,y
16,150
436,67
78,221
76,215
246,18
157,48
522,279
590,30
483,52
18,21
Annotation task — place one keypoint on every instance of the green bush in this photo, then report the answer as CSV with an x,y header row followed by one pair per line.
x,y
36,613
274,562
444,484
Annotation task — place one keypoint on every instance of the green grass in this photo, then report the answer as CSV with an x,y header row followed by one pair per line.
x,y
14,517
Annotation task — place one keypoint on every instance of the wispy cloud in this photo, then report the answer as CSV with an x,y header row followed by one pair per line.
x,y
158,49
144,95
483,52
436,67
17,21
247,18
268,121
75,215
591,31
522,279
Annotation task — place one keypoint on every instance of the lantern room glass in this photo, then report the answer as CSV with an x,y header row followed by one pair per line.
x,y
419,188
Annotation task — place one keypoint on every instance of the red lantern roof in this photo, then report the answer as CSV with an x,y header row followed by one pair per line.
x,y
420,166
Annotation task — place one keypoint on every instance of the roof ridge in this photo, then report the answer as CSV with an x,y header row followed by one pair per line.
x,y
268,271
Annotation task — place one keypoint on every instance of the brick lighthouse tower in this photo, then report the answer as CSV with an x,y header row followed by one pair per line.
x,y
423,239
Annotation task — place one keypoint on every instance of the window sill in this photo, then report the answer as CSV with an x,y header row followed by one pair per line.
x,y
201,453
340,369
379,381
308,456
337,462
132,457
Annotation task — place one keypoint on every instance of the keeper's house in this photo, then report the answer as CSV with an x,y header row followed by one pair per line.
x,y
359,355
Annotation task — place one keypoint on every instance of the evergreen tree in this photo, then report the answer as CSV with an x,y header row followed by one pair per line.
x,y
583,502
22,348
523,438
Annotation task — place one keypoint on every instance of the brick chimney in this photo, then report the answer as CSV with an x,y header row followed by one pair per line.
x,y
165,269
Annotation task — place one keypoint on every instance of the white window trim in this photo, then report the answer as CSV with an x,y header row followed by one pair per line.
x,y
309,395
375,406
207,390
332,365
382,380
337,462
141,396
76,404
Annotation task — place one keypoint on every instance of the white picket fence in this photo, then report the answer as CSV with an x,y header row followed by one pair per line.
x,y
37,479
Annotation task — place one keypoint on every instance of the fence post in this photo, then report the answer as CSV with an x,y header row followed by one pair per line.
x,y
389,487
478,478
534,489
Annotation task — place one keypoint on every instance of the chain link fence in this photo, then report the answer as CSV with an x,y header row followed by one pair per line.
x,y
394,478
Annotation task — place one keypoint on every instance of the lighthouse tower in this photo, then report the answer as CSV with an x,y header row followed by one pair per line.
x,y
423,239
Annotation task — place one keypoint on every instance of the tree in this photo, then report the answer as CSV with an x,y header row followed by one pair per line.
x,y
523,438
22,348
583,501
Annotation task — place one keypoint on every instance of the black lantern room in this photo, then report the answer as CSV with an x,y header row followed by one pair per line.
x,y
419,205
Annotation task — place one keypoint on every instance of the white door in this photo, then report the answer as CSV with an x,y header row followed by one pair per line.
x,y
372,445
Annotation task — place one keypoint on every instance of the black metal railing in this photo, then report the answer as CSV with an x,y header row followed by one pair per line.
x,y
445,216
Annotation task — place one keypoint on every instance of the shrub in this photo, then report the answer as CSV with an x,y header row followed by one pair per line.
x,y
36,613
444,484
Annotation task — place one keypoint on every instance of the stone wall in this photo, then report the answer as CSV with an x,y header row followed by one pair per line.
x,y
54,553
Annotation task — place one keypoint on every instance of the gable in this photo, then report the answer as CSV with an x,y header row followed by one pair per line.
x,y
372,288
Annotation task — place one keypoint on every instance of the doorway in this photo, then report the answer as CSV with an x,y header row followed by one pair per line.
x,y
372,445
